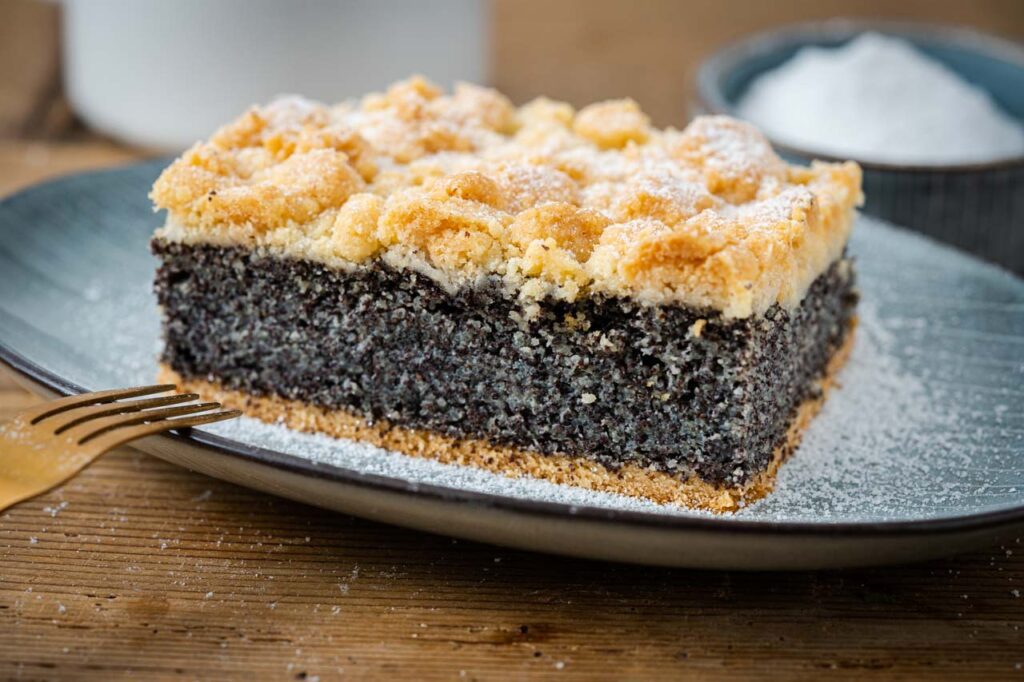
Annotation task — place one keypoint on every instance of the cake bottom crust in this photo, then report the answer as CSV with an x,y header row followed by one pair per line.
x,y
630,480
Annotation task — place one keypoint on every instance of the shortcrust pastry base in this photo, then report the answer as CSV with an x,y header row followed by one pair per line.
x,y
630,480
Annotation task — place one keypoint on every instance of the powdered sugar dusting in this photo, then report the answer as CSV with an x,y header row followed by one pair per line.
x,y
852,458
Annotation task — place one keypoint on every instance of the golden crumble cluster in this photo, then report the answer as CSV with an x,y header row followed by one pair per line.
x,y
557,203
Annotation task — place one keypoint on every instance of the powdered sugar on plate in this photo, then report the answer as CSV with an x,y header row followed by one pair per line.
x,y
898,439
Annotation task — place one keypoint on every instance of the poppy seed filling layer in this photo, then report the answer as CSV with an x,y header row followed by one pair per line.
x,y
609,378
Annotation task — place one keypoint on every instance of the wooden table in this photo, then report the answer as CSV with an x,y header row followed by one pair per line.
x,y
138,568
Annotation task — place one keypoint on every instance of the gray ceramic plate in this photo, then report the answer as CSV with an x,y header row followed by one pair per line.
x,y
919,454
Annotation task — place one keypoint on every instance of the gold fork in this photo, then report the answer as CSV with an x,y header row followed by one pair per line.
x,y
51,442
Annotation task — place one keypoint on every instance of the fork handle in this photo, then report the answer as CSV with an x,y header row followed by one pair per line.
x,y
24,477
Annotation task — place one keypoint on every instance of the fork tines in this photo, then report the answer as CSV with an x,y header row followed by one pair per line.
x,y
111,415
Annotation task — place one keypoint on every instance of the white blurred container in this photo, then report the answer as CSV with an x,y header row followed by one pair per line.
x,y
164,74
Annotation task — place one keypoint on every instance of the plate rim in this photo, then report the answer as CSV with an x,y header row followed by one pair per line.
x,y
43,377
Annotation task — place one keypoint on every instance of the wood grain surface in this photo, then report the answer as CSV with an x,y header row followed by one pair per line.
x,y
138,569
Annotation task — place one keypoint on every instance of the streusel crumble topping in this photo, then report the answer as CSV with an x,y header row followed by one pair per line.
x,y
555,202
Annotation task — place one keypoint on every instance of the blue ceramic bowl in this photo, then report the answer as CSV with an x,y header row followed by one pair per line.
x,y
978,207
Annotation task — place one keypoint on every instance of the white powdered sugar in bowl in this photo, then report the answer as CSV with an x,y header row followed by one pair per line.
x,y
879,99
